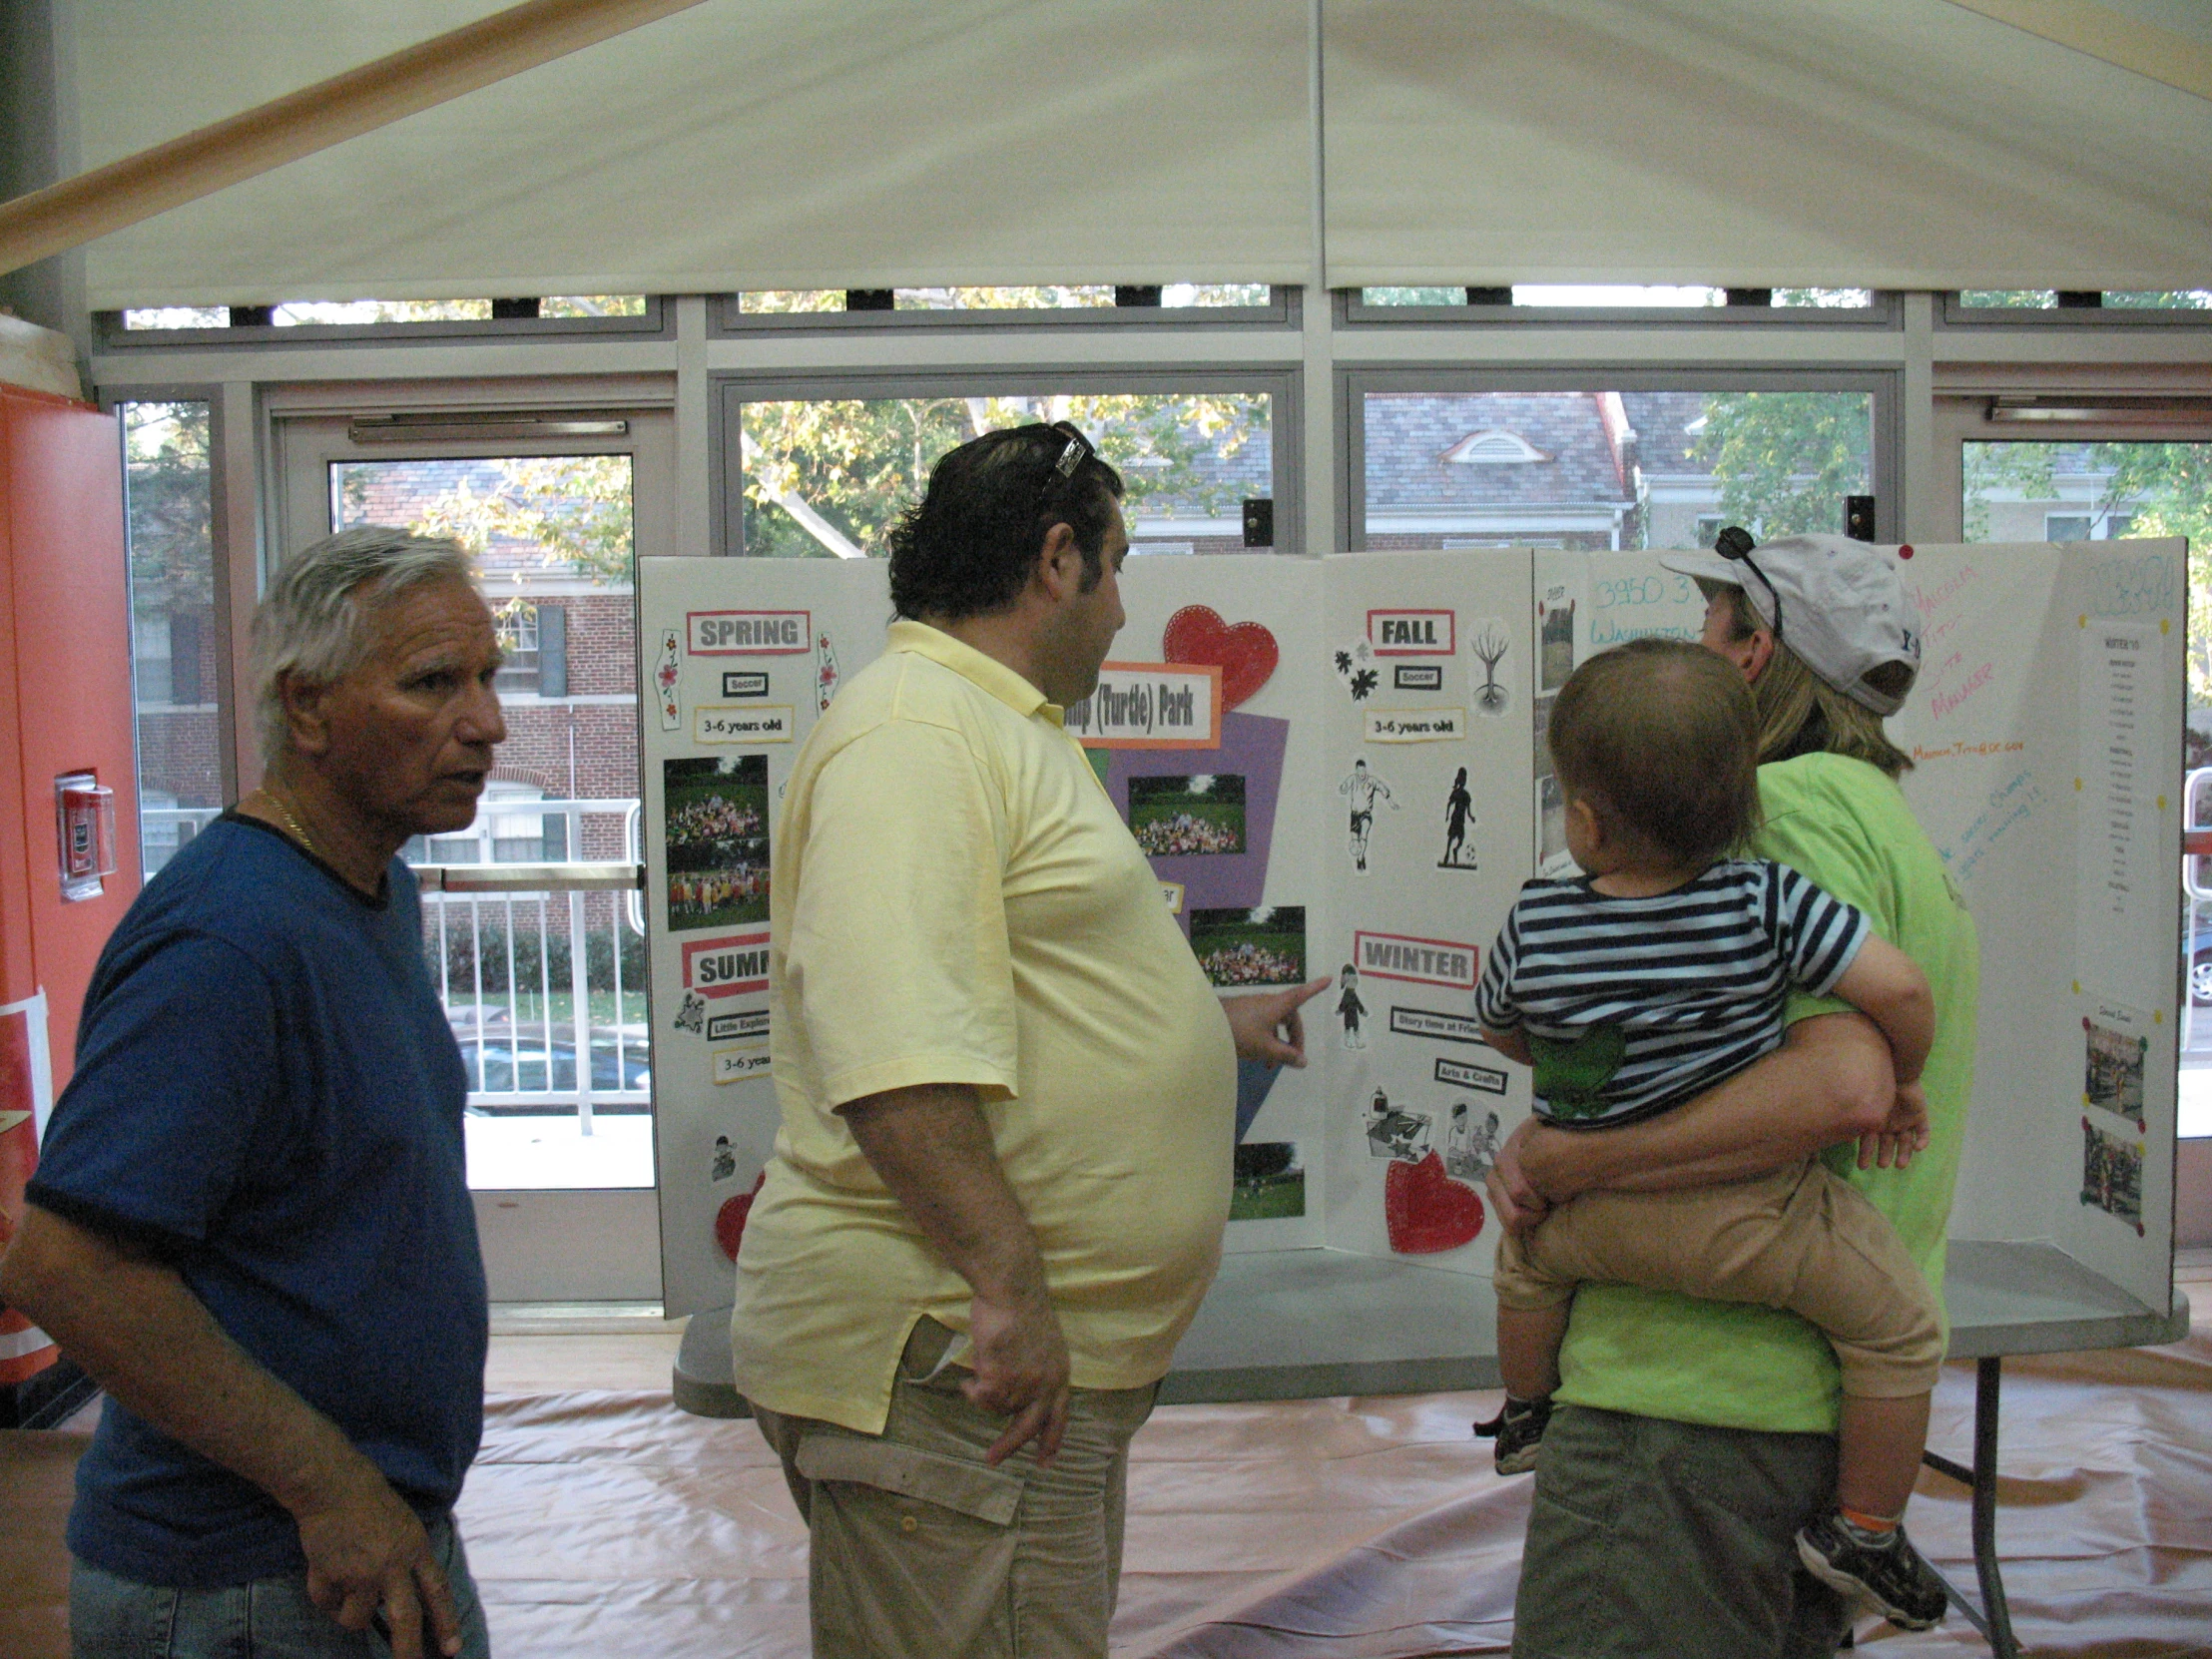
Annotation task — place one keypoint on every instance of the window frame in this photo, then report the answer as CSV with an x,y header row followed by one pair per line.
x,y
726,320
233,439
1959,408
1953,312
1883,314
508,620
307,432
1884,384
657,322
729,391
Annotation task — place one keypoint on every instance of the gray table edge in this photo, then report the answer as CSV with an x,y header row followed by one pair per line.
x,y
1258,1336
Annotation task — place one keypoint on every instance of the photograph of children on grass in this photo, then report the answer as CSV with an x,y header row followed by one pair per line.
x,y
1266,946
1171,816
717,810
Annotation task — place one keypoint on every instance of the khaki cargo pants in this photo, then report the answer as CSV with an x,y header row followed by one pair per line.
x,y
922,1551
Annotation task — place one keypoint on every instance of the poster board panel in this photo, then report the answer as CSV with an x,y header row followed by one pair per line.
x,y
1235,829
736,659
1429,816
2044,667
1990,728
2128,604
2046,734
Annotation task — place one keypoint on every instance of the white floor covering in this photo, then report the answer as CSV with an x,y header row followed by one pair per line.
x,y
1332,1528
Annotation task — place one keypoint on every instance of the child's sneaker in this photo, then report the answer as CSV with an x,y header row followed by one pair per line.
x,y
1518,1430
1892,1577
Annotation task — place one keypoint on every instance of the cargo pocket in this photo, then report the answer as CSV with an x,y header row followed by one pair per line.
x,y
973,1489
912,1551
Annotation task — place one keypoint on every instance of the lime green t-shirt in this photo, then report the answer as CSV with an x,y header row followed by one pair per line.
x,y
1654,1354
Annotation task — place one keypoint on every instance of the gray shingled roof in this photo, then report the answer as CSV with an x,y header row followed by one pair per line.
x,y
1659,419
1410,433
1248,472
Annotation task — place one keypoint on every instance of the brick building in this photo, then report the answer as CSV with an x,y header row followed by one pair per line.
x,y
570,685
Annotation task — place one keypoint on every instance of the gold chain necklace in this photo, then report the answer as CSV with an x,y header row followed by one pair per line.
x,y
291,820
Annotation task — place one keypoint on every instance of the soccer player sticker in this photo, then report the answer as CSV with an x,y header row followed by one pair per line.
x,y
1362,788
1458,819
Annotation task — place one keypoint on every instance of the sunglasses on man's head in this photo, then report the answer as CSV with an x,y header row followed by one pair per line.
x,y
1075,449
1735,544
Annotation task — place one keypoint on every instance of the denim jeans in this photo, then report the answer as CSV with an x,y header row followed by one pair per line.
x,y
271,1618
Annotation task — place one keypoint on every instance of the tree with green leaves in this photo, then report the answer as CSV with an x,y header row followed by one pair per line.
x,y
1785,460
821,475
172,521
575,511
2169,488
2165,489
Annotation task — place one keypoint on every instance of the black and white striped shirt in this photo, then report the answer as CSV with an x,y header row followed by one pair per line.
x,y
1693,980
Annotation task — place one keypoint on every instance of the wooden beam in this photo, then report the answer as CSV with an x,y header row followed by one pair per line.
x,y
75,211
2111,36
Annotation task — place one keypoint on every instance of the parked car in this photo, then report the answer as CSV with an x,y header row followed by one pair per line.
x,y
520,1065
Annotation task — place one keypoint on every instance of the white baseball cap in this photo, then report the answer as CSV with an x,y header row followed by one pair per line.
x,y
1844,610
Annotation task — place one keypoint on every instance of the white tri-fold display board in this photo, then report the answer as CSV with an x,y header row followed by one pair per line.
x,y
1338,766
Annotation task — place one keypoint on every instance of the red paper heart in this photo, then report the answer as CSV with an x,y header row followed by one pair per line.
x,y
730,1219
1244,654
1426,1210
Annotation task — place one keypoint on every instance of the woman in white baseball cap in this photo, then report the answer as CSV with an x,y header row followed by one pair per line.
x,y
1702,1432
1822,629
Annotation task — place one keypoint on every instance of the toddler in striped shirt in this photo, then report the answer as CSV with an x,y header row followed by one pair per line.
x,y
1663,971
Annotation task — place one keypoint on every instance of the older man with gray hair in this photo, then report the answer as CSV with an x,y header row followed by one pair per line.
x,y
250,1220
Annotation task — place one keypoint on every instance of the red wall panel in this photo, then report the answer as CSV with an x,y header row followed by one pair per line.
x,y
66,662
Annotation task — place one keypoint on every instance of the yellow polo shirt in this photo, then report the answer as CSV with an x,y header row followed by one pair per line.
x,y
955,900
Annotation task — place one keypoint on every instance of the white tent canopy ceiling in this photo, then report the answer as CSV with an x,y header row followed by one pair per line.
x,y
767,143
1906,144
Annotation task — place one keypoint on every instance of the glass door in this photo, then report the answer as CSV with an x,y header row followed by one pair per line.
x,y
176,674
534,940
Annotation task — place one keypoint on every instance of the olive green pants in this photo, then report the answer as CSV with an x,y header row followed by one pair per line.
x,y
919,1550
1649,1537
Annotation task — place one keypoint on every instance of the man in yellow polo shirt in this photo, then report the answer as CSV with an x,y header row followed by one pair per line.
x,y
1007,1094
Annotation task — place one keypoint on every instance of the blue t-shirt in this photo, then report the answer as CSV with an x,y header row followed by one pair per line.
x,y
268,1095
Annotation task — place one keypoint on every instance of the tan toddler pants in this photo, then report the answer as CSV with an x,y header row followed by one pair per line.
x,y
1799,1238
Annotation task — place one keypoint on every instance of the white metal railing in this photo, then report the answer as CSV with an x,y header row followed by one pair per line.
x,y
2196,868
524,915
494,934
